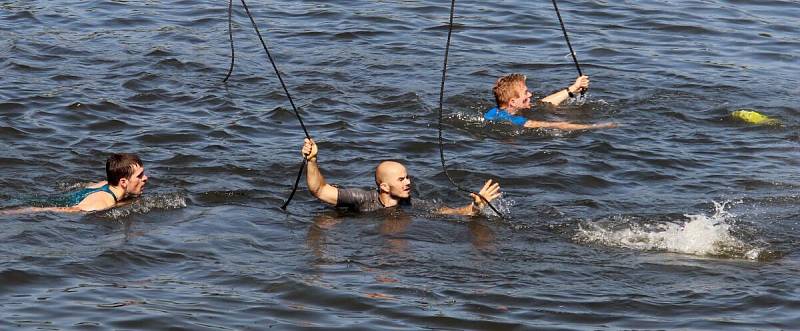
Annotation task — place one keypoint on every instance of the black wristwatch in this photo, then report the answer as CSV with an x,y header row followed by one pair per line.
x,y
571,95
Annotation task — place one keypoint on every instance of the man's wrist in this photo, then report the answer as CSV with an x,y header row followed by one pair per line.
x,y
476,208
570,93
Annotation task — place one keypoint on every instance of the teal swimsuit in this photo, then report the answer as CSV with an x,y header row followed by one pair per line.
x,y
76,197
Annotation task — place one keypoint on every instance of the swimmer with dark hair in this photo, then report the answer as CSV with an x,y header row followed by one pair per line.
x,y
124,178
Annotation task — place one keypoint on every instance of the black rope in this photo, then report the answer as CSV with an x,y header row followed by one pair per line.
x,y
296,182
230,37
441,98
288,95
274,66
566,37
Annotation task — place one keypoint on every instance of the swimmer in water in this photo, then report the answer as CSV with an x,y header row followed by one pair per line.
x,y
124,178
394,188
513,96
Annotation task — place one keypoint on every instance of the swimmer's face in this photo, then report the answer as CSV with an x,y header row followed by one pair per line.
x,y
523,99
134,185
401,185
394,180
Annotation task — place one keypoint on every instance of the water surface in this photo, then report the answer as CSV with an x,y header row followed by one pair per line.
x,y
681,218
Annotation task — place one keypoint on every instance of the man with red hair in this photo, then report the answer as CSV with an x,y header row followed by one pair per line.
x,y
513,96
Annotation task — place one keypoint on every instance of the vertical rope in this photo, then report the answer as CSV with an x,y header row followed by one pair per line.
x,y
441,101
230,37
280,79
275,67
566,37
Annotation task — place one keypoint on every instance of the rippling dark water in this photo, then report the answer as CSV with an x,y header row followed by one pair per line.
x,y
682,218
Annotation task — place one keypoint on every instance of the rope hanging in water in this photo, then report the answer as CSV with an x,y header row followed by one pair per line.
x,y
230,37
277,73
441,98
566,37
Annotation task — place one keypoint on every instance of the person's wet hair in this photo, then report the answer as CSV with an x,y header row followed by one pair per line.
x,y
120,166
504,88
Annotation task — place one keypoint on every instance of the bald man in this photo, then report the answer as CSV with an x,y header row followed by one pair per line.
x,y
394,188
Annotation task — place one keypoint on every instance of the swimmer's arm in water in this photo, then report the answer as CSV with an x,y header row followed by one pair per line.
x,y
581,84
30,210
94,202
316,182
567,126
490,191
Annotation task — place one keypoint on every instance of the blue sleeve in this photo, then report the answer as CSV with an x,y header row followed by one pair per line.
x,y
518,120
495,114
490,114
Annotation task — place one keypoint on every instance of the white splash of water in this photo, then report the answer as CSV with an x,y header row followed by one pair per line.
x,y
580,100
147,203
470,118
701,235
502,204
71,186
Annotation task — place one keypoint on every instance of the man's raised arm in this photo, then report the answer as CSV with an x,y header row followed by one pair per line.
x,y
581,84
316,182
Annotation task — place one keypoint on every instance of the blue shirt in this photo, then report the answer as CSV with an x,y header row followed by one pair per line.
x,y
499,115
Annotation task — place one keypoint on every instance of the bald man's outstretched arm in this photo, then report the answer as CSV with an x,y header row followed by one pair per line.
x,y
316,182
490,191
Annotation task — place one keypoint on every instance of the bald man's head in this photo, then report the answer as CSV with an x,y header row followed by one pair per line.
x,y
392,178
386,168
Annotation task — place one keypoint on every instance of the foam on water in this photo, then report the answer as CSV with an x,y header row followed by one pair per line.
x,y
147,203
702,235
470,118
502,204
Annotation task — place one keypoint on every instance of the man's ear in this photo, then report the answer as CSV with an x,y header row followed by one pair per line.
x,y
384,187
512,103
123,183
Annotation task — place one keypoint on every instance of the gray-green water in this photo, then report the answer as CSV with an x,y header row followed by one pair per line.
x,y
680,219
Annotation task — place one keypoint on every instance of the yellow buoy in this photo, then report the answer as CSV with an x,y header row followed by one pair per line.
x,y
753,117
